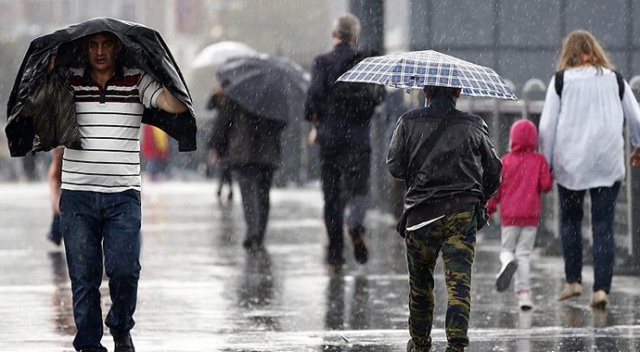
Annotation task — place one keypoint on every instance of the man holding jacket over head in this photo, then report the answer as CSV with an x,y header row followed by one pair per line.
x,y
450,170
342,113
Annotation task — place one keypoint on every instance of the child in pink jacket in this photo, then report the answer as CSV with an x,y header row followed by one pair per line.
x,y
525,174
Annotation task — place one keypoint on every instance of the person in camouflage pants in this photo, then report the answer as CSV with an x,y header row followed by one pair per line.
x,y
455,236
450,170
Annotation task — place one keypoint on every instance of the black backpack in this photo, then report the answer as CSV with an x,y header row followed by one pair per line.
x,y
355,100
560,81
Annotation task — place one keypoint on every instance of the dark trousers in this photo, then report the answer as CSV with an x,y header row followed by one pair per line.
x,y
455,236
603,203
345,182
96,225
255,184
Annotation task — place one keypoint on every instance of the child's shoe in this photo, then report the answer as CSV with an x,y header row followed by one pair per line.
x,y
504,276
524,300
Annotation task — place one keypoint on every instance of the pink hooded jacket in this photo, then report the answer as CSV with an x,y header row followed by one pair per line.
x,y
525,174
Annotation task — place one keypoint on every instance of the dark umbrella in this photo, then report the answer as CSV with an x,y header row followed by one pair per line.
x,y
34,89
270,87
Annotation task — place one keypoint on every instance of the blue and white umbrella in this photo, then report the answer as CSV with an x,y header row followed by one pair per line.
x,y
417,69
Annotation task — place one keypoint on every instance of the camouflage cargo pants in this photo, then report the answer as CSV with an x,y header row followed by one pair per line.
x,y
455,236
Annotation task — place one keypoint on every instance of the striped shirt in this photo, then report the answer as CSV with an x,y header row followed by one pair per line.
x,y
109,119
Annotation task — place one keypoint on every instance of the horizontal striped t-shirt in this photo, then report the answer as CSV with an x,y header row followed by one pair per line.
x,y
109,119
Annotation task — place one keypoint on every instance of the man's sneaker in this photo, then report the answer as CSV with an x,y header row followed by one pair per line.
x,y
599,300
503,279
123,342
360,251
570,290
524,300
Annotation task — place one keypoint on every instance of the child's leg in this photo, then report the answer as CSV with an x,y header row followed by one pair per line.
x,y
508,240
524,248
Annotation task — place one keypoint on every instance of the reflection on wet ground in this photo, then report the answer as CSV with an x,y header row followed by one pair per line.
x,y
200,291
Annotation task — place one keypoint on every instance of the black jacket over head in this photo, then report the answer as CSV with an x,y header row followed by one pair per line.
x,y
343,110
461,171
144,48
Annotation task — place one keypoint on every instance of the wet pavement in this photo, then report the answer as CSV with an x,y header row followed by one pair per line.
x,y
200,291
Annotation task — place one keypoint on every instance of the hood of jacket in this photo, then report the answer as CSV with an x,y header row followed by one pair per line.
x,y
523,136
144,49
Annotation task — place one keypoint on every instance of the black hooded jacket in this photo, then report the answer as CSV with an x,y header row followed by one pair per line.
x,y
461,171
144,49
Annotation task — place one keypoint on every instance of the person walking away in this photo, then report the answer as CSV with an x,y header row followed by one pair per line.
x,y
525,174
341,113
588,95
54,176
155,149
252,146
100,211
449,177
220,157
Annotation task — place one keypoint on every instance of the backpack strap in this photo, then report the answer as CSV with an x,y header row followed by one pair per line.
x,y
620,80
559,81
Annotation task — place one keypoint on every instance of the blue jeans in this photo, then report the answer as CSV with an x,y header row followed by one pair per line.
x,y
603,203
96,226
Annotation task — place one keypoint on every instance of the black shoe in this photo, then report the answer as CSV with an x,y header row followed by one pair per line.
x,y
410,346
94,349
123,342
360,251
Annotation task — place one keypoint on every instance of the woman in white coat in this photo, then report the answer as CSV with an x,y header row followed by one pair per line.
x,y
581,135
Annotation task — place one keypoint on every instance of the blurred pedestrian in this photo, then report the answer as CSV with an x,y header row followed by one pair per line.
x,y
100,210
251,146
155,149
525,174
449,176
55,180
581,136
219,157
341,114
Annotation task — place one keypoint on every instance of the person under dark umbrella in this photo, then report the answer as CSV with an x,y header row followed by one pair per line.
x,y
251,144
100,203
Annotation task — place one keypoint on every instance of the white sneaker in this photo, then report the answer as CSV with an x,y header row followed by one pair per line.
x,y
524,300
503,279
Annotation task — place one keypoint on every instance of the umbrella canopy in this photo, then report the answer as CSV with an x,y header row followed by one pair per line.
x,y
270,87
218,53
417,69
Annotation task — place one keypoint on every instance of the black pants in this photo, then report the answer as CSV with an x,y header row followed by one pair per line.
x,y
345,183
255,184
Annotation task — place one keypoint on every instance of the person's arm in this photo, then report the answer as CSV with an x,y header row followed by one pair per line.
x,y
545,178
549,122
397,152
491,166
167,102
631,112
55,179
316,91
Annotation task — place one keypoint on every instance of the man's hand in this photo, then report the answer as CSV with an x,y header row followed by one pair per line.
x,y
634,158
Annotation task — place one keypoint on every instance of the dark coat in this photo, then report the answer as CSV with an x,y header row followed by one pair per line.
x,y
144,49
461,171
242,138
339,124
